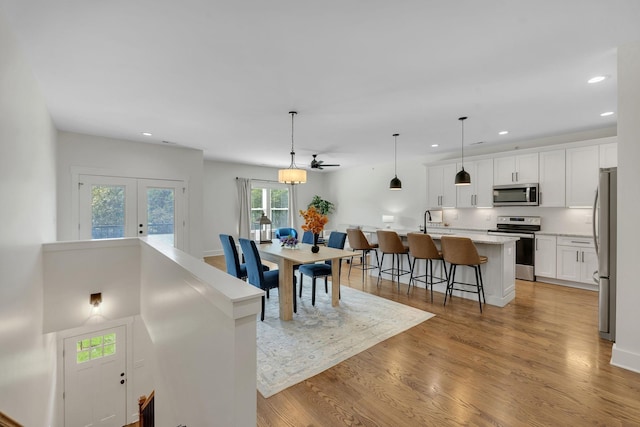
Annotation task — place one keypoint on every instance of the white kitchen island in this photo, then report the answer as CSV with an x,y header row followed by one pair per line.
x,y
498,273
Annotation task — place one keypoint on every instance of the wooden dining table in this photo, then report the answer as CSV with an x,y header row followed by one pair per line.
x,y
287,258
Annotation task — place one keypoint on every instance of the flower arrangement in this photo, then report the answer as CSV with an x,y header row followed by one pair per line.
x,y
314,221
289,242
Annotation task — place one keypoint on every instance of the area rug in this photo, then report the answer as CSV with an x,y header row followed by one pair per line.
x,y
322,336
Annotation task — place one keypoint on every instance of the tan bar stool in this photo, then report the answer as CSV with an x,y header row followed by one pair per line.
x,y
461,251
358,242
390,243
421,246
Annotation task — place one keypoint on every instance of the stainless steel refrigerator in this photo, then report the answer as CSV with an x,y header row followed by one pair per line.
x,y
604,237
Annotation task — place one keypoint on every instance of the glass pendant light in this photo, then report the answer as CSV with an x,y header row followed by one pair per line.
x,y
463,177
395,183
293,174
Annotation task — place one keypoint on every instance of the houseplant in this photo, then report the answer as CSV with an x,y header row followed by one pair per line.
x,y
324,207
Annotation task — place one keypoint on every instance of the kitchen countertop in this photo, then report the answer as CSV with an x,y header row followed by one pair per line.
x,y
564,234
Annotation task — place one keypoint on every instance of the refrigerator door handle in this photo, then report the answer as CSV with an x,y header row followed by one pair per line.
x,y
594,221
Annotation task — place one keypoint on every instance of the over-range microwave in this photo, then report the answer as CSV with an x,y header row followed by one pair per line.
x,y
516,195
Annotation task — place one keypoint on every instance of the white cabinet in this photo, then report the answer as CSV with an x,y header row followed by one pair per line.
x,y
552,178
515,169
441,187
609,155
577,260
480,192
582,175
545,256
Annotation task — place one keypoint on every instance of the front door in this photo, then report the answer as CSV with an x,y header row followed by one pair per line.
x,y
95,379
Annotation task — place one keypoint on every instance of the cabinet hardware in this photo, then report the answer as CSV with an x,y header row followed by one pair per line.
x,y
582,256
577,256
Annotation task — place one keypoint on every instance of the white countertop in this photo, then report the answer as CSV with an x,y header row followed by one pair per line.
x,y
564,234
488,239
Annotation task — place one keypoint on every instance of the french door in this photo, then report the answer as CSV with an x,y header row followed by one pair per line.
x,y
112,207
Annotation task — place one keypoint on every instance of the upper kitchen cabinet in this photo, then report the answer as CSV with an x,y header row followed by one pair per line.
x,y
582,175
522,168
609,155
441,187
480,193
552,178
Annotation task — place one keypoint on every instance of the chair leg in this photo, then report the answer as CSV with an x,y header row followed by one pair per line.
x,y
413,266
481,284
475,269
300,284
380,270
363,264
448,292
313,291
295,299
430,262
326,287
262,313
350,264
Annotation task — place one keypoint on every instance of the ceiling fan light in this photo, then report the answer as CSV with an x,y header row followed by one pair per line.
x,y
463,177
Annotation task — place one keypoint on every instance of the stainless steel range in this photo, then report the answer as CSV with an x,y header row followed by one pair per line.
x,y
523,227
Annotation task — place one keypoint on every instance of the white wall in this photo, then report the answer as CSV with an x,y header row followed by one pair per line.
x,y
626,351
221,197
133,159
27,185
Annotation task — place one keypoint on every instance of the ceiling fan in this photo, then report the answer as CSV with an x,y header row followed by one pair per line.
x,y
319,164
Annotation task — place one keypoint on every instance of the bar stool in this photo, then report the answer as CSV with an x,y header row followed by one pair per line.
x,y
461,251
390,243
358,242
421,246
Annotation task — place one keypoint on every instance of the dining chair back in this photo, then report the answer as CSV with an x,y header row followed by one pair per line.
x,y
307,237
231,258
337,241
259,278
286,231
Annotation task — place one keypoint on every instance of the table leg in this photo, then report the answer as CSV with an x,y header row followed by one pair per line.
x,y
335,281
285,293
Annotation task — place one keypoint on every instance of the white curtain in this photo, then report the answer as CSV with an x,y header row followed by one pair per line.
x,y
244,204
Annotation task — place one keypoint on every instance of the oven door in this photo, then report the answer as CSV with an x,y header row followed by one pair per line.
x,y
525,254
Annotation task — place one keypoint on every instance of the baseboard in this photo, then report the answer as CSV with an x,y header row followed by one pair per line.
x,y
578,285
625,359
218,252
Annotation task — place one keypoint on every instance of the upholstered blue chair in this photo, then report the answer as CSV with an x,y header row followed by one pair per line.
x,y
259,278
286,231
231,258
336,240
307,237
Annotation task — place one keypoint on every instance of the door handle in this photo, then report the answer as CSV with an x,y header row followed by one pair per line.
x,y
577,256
582,256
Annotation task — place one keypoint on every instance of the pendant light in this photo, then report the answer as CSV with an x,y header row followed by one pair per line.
x,y
463,177
395,183
293,174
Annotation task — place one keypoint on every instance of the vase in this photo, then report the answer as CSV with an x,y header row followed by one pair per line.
x,y
315,248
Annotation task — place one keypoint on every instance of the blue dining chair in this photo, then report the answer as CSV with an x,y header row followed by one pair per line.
x,y
307,237
337,241
259,278
232,260
286,231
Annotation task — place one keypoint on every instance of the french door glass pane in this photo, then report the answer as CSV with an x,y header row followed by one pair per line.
x,y
161,214
107,211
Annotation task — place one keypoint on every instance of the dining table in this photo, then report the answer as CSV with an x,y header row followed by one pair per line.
x,y
286,258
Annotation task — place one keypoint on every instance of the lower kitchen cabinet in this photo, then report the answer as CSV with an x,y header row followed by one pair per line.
x,y
545,256
576,260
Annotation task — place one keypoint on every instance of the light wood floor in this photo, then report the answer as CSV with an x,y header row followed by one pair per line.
x,y
536,362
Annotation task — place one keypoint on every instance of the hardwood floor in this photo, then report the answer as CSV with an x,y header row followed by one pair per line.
x,y
536,362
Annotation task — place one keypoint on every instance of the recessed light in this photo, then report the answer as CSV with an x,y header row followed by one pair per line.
x,y
596,79
147,133
503,132
608,113
435,145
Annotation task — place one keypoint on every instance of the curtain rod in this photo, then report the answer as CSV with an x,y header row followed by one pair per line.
x,y
260,180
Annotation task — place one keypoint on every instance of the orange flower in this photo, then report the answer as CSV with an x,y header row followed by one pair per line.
x,y
313,220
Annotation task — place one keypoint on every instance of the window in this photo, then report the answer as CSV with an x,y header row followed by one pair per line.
x,y
95,347
274,202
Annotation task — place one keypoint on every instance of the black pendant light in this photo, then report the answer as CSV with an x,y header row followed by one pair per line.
x,y
463,177
395,183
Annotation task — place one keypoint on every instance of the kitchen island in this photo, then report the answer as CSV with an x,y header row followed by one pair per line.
x,y
498,273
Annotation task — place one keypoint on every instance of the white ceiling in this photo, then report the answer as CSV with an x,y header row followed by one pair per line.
x,y
222,76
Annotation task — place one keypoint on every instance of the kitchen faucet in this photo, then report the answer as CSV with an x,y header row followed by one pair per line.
x,y
427,213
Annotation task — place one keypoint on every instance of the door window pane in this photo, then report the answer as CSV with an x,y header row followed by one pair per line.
x,y
107,211
95,347
161,214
